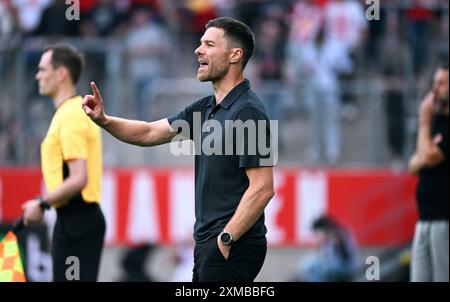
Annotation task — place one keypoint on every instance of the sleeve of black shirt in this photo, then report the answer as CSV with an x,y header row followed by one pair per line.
x,y
248,158
186,115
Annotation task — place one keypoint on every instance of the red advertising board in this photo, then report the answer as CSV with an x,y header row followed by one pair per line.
x,y
157,205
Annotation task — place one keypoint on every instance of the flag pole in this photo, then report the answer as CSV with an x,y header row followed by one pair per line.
x,y
18,225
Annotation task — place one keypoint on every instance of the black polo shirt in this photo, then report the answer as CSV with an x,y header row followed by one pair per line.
x,y
220,178
432,190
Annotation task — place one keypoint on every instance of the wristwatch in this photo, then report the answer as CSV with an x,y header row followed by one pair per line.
x,y
42,204
226,238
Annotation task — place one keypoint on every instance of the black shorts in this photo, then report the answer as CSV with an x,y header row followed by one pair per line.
x,y
79,231
243,264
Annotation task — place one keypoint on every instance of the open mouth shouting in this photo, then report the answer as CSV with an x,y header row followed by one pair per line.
x,y
203,65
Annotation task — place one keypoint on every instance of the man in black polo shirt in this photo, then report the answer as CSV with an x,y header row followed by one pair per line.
x,y
430,161
233,177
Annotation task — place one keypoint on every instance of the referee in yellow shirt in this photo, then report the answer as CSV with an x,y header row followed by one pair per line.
x,y
71,159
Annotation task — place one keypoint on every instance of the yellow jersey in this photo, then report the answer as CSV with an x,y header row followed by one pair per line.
x,y
72,135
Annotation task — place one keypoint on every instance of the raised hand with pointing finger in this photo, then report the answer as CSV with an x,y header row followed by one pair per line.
x,y
93,106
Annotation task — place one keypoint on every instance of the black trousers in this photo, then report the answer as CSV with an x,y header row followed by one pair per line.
x,y
243,264
79,232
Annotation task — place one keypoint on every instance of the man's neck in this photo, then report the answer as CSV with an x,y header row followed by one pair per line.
x,y
63,94
225,85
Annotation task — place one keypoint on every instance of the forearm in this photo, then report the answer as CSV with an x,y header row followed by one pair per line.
x,y
138,133
68,189
414,164
128,131
428,152
250,208
424,141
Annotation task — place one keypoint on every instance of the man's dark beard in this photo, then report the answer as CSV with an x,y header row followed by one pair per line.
x,y
215,77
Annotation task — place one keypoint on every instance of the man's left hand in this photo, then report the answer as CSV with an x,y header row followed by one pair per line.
x,y
224,249
32,212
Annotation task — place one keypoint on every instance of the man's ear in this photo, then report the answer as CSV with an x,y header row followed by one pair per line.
x,y
236,55
62,72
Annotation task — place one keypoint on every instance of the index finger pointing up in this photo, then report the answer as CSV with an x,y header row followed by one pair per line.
x,y
95,90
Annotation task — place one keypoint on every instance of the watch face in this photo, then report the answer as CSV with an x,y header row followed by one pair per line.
x,y
225,238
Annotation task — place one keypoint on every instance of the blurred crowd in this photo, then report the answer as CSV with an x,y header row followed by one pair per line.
x,y
307,50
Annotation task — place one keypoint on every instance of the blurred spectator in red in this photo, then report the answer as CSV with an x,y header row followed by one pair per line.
x,y
198,13
305,22
321,3
87,5
151,4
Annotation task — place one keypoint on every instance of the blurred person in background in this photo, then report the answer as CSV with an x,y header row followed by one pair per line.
x,y
430,253
29,14
146,45
54,22
390,67
71,159
345,30
419,18
7,32
305,20
395,115
231,191
7,24
336,259
269,63
322,95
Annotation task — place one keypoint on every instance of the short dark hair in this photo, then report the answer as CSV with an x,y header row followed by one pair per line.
x,y
238,32
66,55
